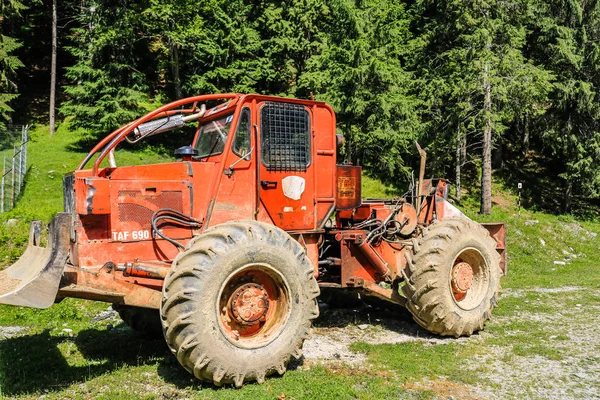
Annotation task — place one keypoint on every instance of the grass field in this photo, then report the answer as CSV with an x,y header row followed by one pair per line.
x,y
542,341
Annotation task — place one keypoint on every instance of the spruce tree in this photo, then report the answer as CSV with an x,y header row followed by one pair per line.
x,y
566,38
108,82
360,73
9,63
475,72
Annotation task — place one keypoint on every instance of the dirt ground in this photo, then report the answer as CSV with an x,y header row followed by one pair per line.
x,y
565,364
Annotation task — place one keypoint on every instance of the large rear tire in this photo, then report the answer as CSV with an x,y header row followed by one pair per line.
x,y
453,277
239,302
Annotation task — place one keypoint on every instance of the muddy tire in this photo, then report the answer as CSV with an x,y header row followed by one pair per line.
x,y
143,320
453,277
239,302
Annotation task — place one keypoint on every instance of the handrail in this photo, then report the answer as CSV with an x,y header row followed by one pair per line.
x,y
114,138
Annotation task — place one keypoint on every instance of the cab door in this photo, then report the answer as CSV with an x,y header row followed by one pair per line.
x,y
286,173
235,199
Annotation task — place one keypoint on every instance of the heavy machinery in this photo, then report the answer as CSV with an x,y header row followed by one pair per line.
x,y
225,249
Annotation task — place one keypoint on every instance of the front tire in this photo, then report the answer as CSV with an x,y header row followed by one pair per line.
x,y
239,302
453,278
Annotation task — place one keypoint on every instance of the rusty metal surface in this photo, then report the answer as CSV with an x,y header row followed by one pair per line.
x,y
250,303
407,217
144,271
375,259
371,288
498,233
310,242
461,279
348,189
34,279
254,305
360,259
111,286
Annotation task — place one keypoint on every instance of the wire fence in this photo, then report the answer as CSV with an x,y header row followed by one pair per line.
x,y
14,141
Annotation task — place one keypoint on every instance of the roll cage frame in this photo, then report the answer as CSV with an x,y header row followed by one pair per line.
x,y
111,141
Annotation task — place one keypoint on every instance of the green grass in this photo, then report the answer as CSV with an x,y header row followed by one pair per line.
x,y
412,361
116,363
373,188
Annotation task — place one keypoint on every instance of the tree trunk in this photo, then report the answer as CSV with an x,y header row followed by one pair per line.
x,y
525,135
53,69
463,150
175,70
486,173
568,196
459,161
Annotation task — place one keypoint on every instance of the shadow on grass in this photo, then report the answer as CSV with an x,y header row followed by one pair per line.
x,y
42,362
341,309
38,362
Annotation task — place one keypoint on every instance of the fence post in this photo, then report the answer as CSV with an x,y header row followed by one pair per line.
x,y
18,170
17,176
2,195
20,166
24,141
12,204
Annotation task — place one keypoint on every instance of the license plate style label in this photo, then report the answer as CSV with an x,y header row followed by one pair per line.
x,y
123,236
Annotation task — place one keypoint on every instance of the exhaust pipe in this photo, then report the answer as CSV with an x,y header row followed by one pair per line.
x,y
420,193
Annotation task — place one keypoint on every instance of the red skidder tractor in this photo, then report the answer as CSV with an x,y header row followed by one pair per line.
x,y
224,251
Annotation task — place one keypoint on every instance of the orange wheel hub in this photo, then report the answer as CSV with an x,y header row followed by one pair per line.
x,y
462,279
249,304
253,306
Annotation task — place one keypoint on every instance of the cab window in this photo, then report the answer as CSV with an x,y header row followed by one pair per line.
x,y
241,141
213,135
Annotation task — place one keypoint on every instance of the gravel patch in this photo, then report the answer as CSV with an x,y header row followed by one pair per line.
x,y
523,292
323,349
538,377
7,332
337,329
574,376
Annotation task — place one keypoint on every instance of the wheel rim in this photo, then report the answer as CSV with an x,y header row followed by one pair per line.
x,y
469,279
253,306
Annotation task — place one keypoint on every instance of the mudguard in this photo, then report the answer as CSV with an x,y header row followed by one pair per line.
x,y
34,279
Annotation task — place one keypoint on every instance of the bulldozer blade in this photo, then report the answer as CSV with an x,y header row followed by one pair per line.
x,y
34,279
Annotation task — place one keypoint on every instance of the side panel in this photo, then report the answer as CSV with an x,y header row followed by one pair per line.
x,y
498,233
135,193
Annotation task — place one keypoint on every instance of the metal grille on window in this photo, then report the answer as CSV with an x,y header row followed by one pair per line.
x,y
285,138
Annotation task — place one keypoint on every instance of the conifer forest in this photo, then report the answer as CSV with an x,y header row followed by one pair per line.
x,y
493,90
